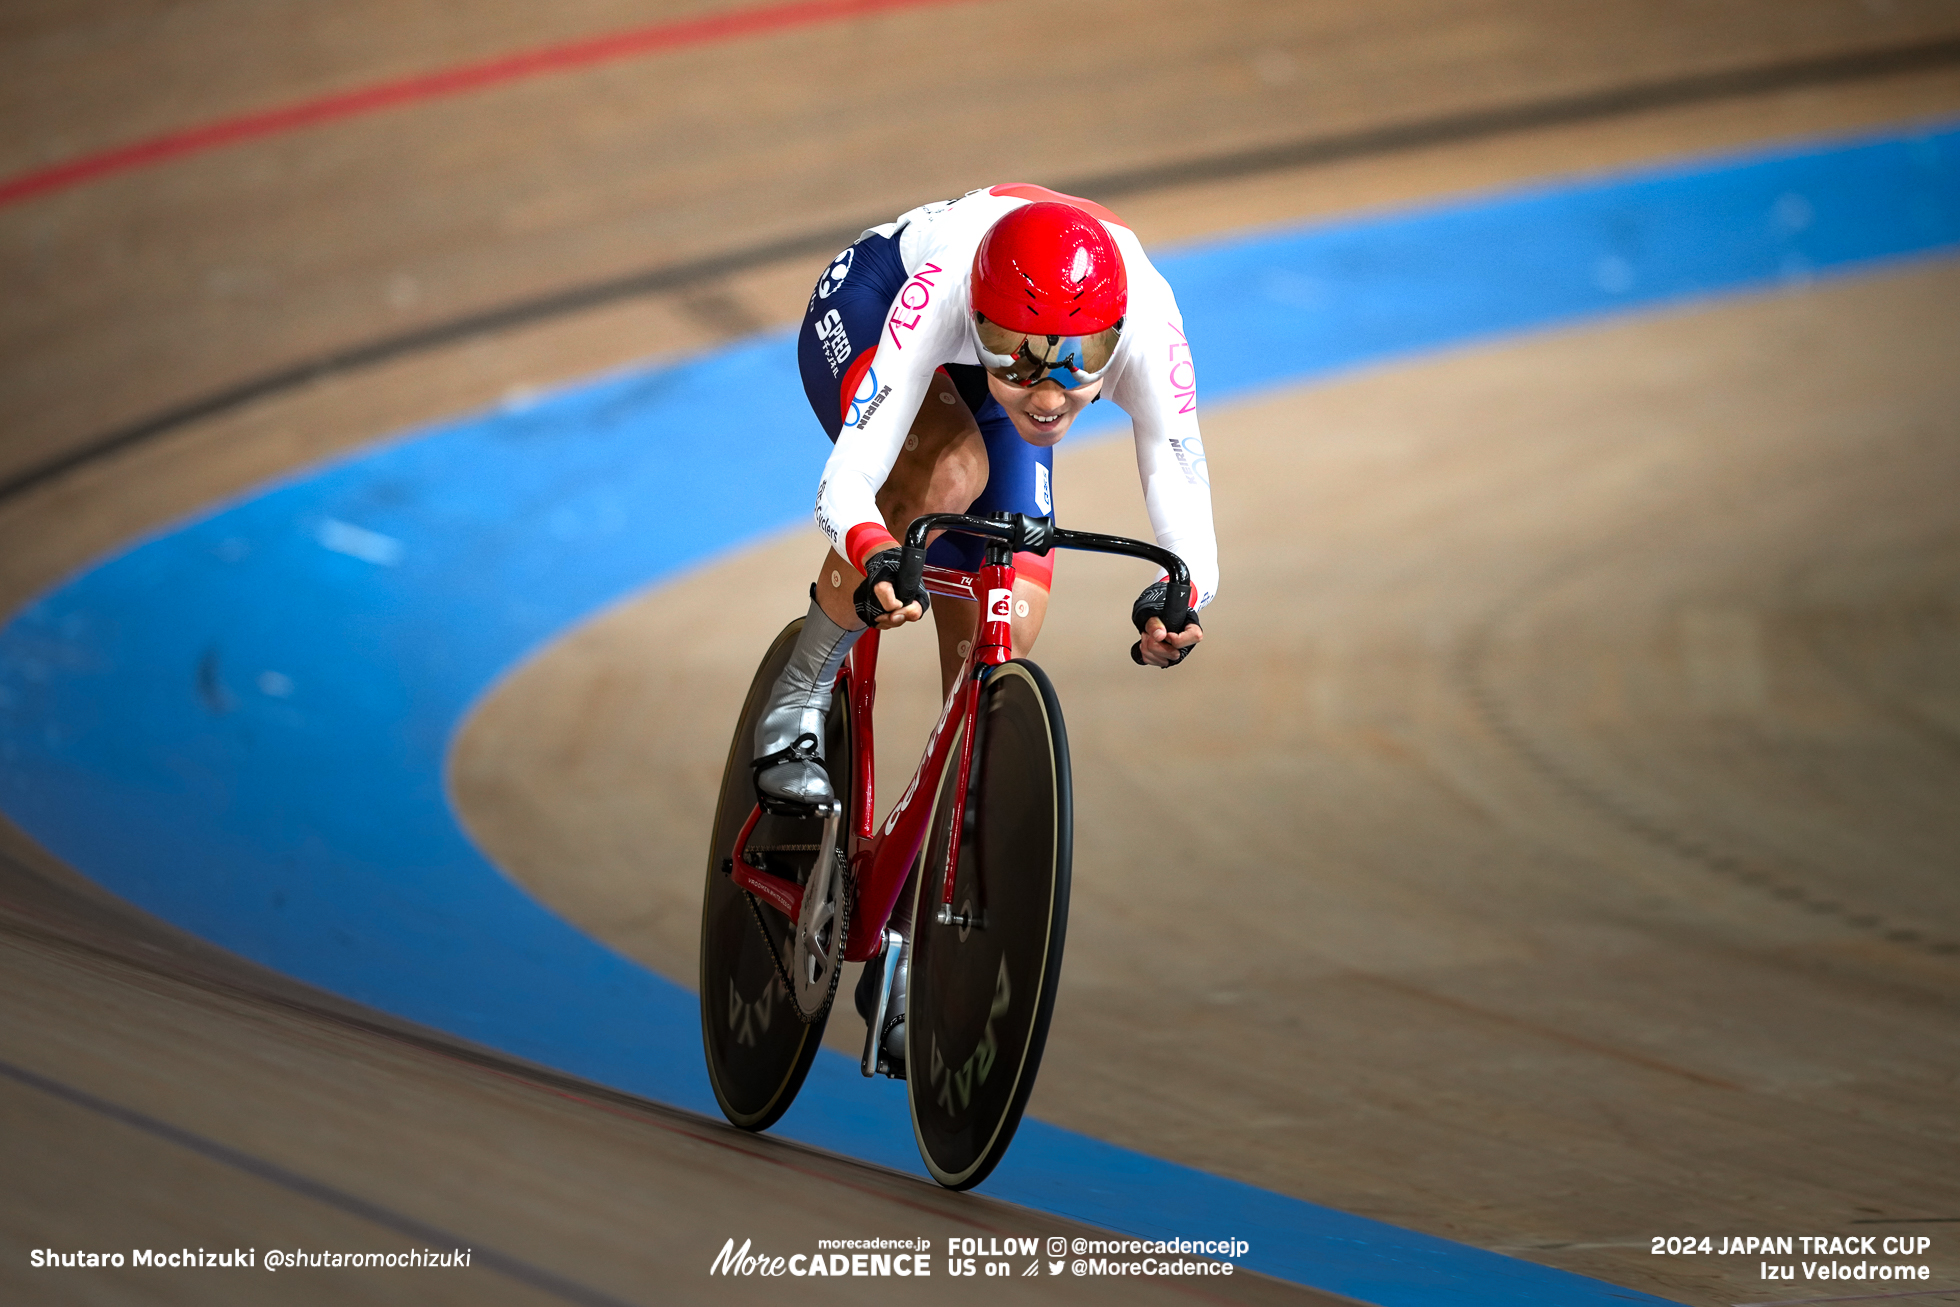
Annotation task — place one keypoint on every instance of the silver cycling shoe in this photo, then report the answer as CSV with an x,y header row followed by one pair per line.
x,y
789,770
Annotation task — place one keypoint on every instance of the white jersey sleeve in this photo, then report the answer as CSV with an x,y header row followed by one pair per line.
x,y
923,329
1156,384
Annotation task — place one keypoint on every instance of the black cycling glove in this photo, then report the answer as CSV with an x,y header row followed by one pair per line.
x,y
1152,603
883,566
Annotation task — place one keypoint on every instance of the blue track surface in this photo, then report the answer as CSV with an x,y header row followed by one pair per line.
x,y
240,723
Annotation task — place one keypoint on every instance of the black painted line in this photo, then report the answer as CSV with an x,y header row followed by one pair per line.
x,y
1558,111
517,313
247,982
1476,124
431,1236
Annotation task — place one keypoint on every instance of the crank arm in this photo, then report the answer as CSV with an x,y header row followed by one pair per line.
x,y
892,965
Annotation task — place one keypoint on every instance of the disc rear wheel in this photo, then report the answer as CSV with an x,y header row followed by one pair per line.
x,y
759,1034
982,984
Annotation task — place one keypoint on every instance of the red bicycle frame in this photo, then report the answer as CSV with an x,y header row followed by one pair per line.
x,y
882,854
880,857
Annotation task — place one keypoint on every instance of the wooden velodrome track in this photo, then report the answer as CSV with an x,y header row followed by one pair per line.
x,y
1563,846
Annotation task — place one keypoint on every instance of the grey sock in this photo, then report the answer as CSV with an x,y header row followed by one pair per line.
x,y
801,698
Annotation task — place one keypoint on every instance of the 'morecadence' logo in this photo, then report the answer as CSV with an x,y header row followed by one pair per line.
x,y
741,1261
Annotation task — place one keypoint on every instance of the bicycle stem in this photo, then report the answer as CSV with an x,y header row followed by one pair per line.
x,y
1039,535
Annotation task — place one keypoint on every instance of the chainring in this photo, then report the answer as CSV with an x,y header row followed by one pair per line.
x,y
817,949
835,927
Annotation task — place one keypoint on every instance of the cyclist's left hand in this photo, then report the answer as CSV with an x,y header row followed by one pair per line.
x,y
895,615
876,599
1160,648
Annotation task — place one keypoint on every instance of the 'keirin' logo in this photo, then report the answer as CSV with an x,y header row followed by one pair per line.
x,y
833,276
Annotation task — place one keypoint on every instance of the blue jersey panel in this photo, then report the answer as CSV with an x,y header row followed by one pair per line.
x,y
847,312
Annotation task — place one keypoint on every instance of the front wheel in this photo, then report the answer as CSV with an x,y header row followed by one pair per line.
x,y
982,985
759,1046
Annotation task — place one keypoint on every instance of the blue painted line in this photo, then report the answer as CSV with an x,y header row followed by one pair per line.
x,y
1363,292
240,723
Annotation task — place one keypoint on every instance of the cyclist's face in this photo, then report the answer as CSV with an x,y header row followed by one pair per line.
x,y
1042,413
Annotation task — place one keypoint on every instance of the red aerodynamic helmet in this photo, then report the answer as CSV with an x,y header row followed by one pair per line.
x,y
1049,292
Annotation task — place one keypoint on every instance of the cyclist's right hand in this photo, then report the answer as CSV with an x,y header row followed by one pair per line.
x,y
1160,647
876,599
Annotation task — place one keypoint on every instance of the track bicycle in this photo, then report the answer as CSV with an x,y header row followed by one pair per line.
x,y
958,899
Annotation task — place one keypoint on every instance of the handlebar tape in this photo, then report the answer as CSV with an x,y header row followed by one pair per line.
x,y
1177,606
911,572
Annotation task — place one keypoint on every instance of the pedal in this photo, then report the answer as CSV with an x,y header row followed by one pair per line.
x,y
778,833
887,1016
777,806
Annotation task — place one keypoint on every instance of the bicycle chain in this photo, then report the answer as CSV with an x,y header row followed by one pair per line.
x,y
843,928
782,972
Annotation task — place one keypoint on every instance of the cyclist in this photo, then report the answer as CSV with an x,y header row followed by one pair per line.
x,y
946,353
